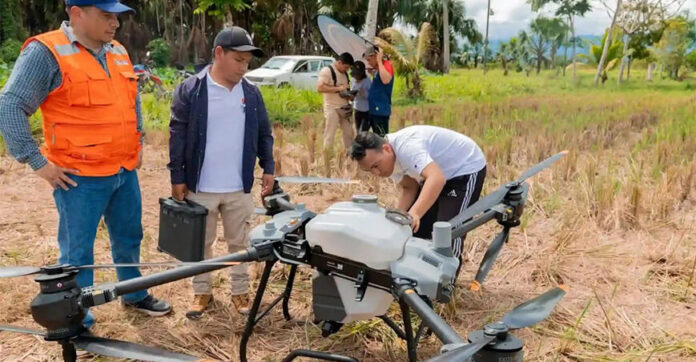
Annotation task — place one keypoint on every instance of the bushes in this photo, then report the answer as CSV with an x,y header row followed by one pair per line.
x,y
160,52
9,50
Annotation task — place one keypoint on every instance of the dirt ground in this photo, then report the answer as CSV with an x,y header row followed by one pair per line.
x,y
631,292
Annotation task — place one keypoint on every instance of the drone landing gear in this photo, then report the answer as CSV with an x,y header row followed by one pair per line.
x,y
407,332
254,318
69,352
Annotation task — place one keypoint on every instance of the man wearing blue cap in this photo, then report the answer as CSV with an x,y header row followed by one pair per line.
x,y
84,82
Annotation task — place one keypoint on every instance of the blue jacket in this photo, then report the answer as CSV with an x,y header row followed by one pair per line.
x,y
188,130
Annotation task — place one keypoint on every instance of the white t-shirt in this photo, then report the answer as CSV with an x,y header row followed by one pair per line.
x,y
222,165
416,147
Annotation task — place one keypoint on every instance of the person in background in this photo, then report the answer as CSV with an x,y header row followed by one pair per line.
x,y
361,85
333,83
84,82
380,93
218,128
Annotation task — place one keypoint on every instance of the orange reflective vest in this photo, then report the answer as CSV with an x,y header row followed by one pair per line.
x,y
89,121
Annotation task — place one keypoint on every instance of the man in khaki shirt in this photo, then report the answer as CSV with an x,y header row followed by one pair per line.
x,y
337,109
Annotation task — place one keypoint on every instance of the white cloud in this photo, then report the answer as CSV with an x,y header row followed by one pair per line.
x,y
511,16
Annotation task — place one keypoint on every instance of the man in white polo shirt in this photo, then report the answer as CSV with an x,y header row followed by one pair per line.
x,y
219,127
440,171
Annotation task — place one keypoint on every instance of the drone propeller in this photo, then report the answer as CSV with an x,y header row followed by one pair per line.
x,y
18,271
113,347
122,349
497,196
489,258
313,180
260,211
524,315
540,166
22,330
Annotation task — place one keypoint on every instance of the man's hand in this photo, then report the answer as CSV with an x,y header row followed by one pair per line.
x,y
415,223
179,191
380,56
267,181
140,159
57,176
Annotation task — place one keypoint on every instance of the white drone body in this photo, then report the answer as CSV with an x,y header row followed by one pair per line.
x,y
362,232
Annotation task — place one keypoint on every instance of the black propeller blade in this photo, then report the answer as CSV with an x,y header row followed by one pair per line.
x,y
122,349
535,310
541,166
18,271
313,180
464,352
22,330
524,315
495,197
260,211
489,258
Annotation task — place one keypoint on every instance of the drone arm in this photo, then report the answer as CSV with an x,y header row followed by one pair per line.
x,y
404,291
89,299
471,224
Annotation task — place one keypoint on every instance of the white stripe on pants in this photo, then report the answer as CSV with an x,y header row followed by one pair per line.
x,y
457,247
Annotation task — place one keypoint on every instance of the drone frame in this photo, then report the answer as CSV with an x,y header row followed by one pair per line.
x,y
506,205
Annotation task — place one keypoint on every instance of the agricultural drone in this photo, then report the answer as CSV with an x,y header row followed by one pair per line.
x,y
364,257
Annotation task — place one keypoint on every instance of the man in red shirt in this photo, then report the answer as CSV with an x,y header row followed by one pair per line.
x,y
380,93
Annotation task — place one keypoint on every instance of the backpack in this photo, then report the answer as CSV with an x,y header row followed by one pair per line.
x,y
333,75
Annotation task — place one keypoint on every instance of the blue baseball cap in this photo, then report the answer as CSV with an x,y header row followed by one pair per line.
x,y
110,6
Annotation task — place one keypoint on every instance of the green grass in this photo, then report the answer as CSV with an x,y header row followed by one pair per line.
x,y
286,106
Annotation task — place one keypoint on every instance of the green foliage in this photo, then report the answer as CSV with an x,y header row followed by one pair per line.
x,y
9,50
160,53
691,60
671,48
614,53
220,8
9,15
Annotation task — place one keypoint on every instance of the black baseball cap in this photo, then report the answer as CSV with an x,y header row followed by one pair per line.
x,y
110,6
238,39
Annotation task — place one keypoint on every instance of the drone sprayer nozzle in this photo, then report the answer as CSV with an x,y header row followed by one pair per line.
x,y
442,238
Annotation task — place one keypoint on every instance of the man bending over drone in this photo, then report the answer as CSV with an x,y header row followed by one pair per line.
x,y
440,171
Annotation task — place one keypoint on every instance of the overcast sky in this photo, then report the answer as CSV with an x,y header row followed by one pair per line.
x,y
511,16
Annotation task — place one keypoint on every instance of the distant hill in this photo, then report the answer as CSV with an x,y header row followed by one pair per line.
x,y
581,45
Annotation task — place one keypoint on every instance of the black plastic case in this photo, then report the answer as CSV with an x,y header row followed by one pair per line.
x,y
182,229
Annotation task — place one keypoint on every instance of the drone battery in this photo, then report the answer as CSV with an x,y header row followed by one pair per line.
x,y
182,229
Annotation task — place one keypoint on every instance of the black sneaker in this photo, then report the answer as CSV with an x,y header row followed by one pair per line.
x,y
151,306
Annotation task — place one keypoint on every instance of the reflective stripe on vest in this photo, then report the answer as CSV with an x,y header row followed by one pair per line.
x,y
89,121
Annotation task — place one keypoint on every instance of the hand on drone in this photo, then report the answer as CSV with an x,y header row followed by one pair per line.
x,y
415,220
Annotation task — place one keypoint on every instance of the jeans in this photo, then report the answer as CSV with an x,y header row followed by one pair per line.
x,y
80,209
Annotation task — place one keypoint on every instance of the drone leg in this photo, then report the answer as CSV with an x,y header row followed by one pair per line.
x,y
408,331
288,290
69,352
251,319
393,326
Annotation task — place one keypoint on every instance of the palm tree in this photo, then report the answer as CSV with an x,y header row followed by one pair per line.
x,y
569,9
613,53
431,11
371,20
408,54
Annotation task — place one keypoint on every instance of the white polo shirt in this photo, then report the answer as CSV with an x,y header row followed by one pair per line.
x,y
416,147
222,165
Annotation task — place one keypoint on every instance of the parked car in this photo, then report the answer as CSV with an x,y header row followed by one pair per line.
x,y
298,71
